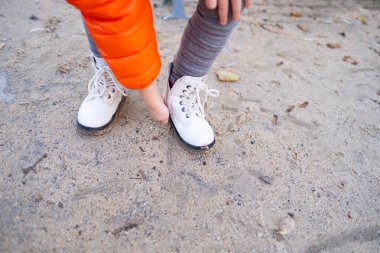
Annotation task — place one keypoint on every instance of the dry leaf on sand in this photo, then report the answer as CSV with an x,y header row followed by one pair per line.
x,y
296,14
362,19
351,60
290,108
303,105
333,45
303,28
227,76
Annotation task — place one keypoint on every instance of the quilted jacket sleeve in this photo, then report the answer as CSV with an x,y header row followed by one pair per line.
x,y
124,35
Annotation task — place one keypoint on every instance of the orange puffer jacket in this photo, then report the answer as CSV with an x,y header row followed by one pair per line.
x,y
124,35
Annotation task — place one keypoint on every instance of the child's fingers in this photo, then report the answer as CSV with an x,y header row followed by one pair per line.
x,y
223,11
211,4
236,9
165,117
248,3
165,120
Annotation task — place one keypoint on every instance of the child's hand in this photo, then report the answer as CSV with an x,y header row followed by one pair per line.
x,y
159,113
155,103
222,6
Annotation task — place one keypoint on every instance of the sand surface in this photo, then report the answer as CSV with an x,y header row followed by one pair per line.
x,y
137,189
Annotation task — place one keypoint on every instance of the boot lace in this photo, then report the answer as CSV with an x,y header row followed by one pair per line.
x,y
102,81
191,98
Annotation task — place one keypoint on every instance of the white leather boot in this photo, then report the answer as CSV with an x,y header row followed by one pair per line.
x,y
187,112
98,109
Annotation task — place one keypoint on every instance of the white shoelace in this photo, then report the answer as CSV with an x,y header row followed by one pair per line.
x,y
193,100
101,81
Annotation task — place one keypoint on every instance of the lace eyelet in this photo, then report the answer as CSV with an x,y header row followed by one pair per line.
x,y
183,109
180,102
109,96
187,116
113,90
184,91
188,86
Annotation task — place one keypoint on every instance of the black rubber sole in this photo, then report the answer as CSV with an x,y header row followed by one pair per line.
x,y
196,148
99,130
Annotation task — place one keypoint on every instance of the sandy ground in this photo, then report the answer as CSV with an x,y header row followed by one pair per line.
x,y
137,189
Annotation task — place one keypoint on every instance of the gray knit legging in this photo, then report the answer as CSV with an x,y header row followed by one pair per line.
x,y
202,41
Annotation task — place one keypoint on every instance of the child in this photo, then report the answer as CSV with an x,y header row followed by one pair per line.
x,y
123,44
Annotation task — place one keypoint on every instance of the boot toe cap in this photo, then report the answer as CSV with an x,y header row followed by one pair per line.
x,y
92,116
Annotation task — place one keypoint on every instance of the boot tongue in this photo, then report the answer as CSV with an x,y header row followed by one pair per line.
x,y
99,63
194,81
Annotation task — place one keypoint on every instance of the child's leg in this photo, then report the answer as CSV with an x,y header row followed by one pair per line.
x,y
91,43
89,116
98,109
202,41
